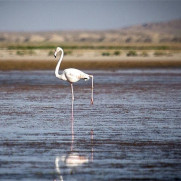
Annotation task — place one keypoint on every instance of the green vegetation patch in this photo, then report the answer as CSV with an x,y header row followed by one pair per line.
x,y
162,53
51,53
131,53
116,53
68,52
105,54
144,54
111,47
25,52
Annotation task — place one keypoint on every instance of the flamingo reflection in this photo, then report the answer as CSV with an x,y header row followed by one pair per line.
x,y
69,162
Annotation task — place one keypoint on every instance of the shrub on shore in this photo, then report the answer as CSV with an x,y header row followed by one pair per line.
x,y
131,53
25,52
117,53
162,53
105,54
144,54
51,53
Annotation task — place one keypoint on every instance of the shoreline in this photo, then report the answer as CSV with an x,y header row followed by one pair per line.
x,y
104,63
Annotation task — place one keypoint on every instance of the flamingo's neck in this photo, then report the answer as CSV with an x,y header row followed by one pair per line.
x,y
58,66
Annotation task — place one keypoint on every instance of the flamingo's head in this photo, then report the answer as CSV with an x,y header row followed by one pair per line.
x,y
57,50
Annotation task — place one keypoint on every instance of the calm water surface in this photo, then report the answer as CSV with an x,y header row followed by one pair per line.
x,y
136,120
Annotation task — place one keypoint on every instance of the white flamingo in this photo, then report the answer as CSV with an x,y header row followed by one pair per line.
x,y
71,75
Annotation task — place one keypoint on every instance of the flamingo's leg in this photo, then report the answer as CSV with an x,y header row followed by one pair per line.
x,y
72,120
72,91
92,99
72,100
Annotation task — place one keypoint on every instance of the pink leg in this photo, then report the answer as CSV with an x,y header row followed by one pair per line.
x,y
72,120
92,99
72,100
72,91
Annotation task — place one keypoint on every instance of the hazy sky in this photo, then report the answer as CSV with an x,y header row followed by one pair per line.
x,y
38,15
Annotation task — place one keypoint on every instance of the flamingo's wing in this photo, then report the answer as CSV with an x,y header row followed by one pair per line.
x,y
74,75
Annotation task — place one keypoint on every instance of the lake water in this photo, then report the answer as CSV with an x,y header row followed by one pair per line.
x,y
136,123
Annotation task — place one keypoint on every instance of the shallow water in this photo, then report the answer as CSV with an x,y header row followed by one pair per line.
x,y
135,118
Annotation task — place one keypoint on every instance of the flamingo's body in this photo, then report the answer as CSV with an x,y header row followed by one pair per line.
x,y
71,75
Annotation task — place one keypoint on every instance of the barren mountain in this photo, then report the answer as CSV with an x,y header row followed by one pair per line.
x,y
146,33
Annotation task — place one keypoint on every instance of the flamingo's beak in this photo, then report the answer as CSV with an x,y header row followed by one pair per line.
x,y
55,54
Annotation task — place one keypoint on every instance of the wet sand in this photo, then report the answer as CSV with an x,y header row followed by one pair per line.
x,y
135,119
88,64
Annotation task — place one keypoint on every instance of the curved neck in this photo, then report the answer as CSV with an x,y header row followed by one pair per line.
x,y
58,65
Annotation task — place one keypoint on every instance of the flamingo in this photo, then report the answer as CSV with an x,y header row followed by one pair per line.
x,y
71,75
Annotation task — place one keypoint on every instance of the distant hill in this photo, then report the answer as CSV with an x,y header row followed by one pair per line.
x,y
163,32
156,32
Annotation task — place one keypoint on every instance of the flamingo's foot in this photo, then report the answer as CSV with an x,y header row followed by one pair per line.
x,y
92,101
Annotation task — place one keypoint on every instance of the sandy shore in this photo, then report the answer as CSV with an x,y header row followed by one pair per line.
x,y
9,60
